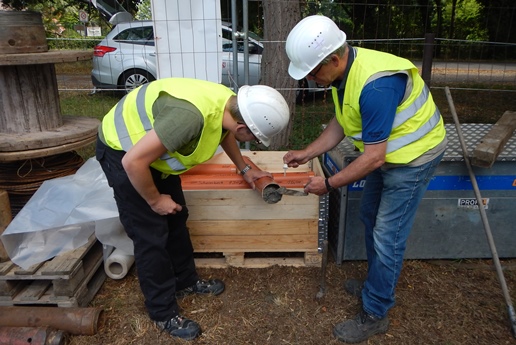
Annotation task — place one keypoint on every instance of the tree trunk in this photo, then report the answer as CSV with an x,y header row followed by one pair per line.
x,y
279,18
452,20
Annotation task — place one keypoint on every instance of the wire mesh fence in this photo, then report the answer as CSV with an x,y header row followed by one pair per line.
x,y
473,51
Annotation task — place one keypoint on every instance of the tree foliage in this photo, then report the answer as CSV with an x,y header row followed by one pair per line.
x,y
499,17
130,5
144,10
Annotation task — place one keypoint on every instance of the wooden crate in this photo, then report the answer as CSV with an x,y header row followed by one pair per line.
x,y
240,229
68,280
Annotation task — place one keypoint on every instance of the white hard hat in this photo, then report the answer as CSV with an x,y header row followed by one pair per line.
x,y
264,111
309,42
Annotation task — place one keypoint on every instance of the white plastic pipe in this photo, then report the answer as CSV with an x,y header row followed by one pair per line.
x,y
118,264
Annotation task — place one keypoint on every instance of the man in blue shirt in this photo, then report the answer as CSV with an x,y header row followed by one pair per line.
x,y
384,107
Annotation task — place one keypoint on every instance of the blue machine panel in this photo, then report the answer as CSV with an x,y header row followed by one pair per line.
x,y
448,223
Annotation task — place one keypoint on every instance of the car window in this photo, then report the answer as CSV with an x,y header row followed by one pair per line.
x,y
227,34
140,35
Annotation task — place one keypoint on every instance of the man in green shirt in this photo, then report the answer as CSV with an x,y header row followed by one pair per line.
x,y
146,141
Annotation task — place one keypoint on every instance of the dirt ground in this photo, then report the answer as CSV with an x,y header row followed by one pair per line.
x,y
450,302
438,302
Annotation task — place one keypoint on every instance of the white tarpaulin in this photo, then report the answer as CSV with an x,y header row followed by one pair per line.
x,y
188,38
62,214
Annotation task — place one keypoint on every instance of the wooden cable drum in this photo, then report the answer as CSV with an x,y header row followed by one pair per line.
x,y
31,125
22,32
21,179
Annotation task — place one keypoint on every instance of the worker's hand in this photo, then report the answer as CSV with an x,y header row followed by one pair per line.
x,y
165,205
295,158
252,175
316,186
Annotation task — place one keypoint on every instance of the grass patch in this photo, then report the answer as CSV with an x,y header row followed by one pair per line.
x,y
77,67
472,106
87,105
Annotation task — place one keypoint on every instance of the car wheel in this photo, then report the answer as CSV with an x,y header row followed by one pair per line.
x,y
134,78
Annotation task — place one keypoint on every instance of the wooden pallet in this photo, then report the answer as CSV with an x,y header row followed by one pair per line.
x,y
68,280
258,259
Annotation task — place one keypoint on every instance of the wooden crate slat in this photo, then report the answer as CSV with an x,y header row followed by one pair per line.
x,y
209,198
66,263
9,289
29,271
93,285
34,291
88,265
6,267
254,228
253,212
274,243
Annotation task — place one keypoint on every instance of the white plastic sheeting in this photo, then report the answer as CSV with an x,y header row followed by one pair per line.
x,y
62,215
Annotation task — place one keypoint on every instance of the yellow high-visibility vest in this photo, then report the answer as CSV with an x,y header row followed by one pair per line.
x,y
418,125
129,120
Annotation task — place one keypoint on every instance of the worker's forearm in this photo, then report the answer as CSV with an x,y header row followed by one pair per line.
x,y
233,151
359,168
141,179
355,171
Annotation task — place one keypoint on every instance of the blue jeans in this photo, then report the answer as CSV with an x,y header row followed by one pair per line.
x,y
388,207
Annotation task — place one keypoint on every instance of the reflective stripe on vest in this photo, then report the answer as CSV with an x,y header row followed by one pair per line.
x,y
398,143
406,114
123,133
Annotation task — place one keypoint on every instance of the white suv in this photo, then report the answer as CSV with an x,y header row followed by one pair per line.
x,y
126,57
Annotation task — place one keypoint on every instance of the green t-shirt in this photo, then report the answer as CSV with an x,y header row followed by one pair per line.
x,y
178,123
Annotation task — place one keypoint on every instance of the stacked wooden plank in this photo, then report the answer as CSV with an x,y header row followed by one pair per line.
x,y
492,144
67,280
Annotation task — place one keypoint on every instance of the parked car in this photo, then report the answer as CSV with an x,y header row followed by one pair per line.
x,y
126,57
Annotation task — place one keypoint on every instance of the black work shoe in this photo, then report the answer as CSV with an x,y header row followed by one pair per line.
x,y
203,287
180,327
354,287
360,328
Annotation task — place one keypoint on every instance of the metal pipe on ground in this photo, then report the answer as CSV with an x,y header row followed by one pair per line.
x,y
322,287
76,321
31,335
483,215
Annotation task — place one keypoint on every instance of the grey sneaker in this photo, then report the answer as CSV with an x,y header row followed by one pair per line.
x,y
180,327
203,287
360,328
354,287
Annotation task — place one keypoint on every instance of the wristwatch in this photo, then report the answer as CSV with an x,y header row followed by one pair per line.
x,y
245,169
329,188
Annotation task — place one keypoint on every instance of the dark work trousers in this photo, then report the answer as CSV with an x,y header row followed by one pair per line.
x,y
163,251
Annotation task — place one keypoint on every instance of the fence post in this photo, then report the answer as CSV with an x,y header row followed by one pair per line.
x,y
428,52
